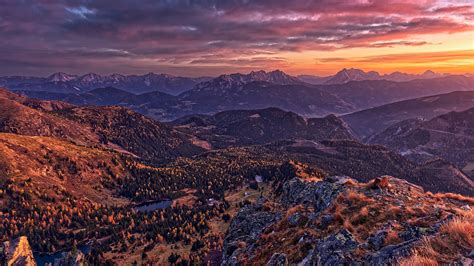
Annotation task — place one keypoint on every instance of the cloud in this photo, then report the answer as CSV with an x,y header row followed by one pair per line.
x,y
248,33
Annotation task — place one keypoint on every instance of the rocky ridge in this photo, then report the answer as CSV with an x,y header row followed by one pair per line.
x,y
338,221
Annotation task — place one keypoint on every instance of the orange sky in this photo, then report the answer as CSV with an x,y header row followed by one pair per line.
x,y
453,53
196,38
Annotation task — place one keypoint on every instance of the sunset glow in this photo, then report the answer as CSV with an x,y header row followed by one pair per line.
x,y
215,37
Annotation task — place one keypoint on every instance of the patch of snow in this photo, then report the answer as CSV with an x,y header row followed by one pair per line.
x,y
255,116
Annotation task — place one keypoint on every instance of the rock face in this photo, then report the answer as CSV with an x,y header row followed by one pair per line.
x,y
17,253
244,231
338,221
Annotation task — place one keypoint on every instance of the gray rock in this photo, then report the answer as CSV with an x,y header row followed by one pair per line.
x,y
326,220
295,219
318,194
278,259
377,241
390,254
246,227
333,250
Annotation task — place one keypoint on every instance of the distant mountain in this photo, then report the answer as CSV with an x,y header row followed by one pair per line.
x,y
353,74
371,93
61,77
449,136
225,82
250,127
259,90
108,96
299,98
65,83
370,121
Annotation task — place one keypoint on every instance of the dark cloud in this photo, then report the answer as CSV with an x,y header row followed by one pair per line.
x,y
184,33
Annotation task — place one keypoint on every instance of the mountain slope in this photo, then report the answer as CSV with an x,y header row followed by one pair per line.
x,y
250,127
301,99
133,132
112,127
364,162
18,118
448,136
54,167
368,122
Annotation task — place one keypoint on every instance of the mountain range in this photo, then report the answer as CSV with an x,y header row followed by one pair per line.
x,y
65,83
260,89
353,74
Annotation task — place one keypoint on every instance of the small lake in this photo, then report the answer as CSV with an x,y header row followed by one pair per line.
x,y
43,258
154,205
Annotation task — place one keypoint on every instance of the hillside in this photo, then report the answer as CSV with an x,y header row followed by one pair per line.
x,y
250,127
52,168
19,118
364,162
339,221
112,127
139,135
448,136
371,121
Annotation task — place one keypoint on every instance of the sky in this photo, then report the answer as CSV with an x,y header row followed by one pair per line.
x,y
212,37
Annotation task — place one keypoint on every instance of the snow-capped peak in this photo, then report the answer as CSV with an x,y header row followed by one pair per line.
x,y
61,77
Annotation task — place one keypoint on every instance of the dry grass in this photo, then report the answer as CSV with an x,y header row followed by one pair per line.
x,y
455,239
451,196
416,260
461,231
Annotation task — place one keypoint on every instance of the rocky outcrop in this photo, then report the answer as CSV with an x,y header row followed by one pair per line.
x,y
338,221
318,194
17,253
245,230
333,250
